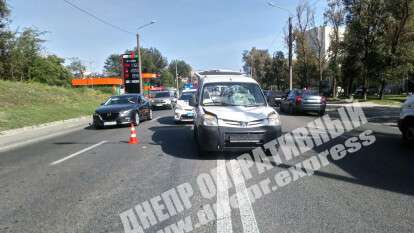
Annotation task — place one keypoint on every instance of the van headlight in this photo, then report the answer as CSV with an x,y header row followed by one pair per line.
x,y
273,119
210,120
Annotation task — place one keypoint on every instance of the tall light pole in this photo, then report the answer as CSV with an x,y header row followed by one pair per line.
x,y
141,85
290,42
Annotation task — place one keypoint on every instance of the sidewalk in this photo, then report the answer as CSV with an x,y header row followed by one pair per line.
x,y
15,138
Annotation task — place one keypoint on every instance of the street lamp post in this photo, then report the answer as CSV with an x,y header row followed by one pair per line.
x,y
290,42
141,85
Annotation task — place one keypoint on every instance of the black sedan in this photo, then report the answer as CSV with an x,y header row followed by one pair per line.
x,y
122,110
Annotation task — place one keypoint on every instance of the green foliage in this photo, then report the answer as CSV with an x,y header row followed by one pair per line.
x,y
378,46
50,70
24,104
183,69
271,72
167,78
76,67
112,65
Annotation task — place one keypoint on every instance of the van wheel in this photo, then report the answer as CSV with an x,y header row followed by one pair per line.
x,y
322,112
291,110
408,134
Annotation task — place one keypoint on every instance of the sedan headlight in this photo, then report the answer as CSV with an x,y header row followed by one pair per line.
x,y
125,113
273,119
210,120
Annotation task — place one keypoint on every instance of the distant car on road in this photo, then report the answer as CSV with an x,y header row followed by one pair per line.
x,y
122,110
183,112
231,114
300,101
406,122
162,99
274,98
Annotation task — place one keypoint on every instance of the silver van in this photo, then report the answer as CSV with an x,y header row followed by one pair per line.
x,y
231,114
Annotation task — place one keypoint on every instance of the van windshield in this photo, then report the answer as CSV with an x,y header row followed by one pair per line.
x,y
232,94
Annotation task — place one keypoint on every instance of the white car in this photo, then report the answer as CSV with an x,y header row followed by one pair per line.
x,y
183,112
406,122
231,114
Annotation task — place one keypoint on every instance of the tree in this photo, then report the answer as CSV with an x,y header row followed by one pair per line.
x,y
398,46
4,14
24,50
256,62
277,73
306,62
335,17
152,60
167,78
76,67
183,69
112,65
365,37
50,70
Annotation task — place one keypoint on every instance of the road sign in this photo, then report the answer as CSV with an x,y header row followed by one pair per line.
x,y
130,68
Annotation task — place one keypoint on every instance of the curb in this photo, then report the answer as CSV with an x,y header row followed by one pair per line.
x,y
16,138
41,126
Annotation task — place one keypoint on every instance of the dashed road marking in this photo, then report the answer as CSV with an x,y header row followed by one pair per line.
x,y
224,224
77,153
246,210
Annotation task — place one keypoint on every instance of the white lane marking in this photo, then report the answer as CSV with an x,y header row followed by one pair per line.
x,y
77,153
224,224
246,210
155,119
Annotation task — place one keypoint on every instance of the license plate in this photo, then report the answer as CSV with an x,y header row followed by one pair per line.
x,y
110,123
158,105
190,114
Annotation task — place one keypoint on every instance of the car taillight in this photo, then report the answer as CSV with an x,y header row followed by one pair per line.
x,y
298,99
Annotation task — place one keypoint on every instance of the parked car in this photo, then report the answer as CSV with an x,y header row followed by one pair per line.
x,y
231,114
406,122
183,112
274,98
162,99
301,101
122,110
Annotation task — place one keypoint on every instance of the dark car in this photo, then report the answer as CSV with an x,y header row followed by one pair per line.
x,y
274,98
300,101
122,110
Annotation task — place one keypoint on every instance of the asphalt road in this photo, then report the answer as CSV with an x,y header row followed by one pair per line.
x,y
44,190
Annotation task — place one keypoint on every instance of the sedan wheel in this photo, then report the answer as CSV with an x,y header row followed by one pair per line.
x,y
137,120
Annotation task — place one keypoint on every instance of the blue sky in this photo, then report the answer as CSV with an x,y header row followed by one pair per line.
x,y
206,34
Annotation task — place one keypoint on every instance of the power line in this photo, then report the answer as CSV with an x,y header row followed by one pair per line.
x,y
97,18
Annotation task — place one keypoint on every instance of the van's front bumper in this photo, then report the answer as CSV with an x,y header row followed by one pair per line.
x,y
235,139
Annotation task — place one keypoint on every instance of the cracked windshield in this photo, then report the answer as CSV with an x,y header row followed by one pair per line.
x,y
254,116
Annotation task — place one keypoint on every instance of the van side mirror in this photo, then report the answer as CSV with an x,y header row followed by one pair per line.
x,y
193,102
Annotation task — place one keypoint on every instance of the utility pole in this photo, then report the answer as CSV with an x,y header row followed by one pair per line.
x,y
141,86
176,73
290,41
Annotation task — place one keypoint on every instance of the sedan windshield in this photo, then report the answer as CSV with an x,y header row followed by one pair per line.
x,y
162,95
232,94
121,100
186,97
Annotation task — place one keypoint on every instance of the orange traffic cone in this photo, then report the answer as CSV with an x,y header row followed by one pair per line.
x,y
133,138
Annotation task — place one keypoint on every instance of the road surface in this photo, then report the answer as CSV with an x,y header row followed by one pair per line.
x,y
83,181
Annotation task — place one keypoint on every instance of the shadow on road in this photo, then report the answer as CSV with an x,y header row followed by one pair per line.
x,y
386,165
177,140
